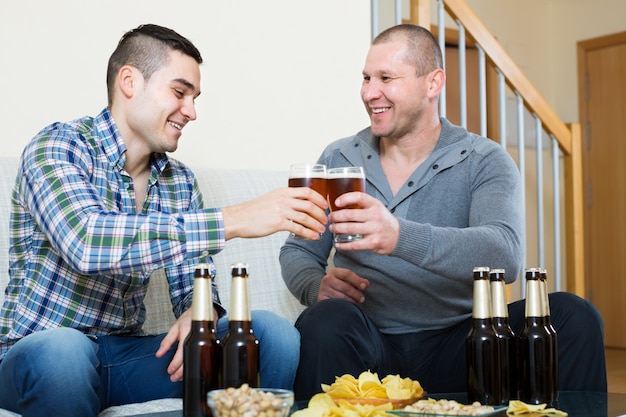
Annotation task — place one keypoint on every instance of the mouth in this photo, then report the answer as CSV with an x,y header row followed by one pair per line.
x,y
379,110
175,125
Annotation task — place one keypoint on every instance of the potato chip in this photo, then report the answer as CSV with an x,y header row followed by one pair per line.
x,y
322,405
402,388
519,407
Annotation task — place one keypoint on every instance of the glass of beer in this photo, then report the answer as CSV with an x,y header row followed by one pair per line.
x,y
308,175
340,181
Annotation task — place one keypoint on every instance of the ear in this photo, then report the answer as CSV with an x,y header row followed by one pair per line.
x,y
126,80
436,81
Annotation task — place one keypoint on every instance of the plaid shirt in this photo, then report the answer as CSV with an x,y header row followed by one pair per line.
x,y
80,254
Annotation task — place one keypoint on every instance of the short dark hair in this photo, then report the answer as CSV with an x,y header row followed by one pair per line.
x,y
147,48
422,48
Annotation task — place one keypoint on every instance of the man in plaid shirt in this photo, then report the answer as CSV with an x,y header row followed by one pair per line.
x,y
97,207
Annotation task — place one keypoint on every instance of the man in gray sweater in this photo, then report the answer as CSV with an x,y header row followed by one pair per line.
x,y
439,201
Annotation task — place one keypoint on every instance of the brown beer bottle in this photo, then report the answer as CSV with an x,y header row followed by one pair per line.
x,y
241,347
483,353
506,336
543,277
202,353
536,347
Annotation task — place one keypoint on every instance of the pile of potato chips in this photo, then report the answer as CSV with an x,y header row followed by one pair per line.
x,y
368,385
365,396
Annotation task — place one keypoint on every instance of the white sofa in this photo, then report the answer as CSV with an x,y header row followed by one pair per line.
x,y
220,188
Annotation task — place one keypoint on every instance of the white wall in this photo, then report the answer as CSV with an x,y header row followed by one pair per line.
x,y
281,78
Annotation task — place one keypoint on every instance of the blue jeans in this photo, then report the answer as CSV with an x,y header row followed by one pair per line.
x,y
62,372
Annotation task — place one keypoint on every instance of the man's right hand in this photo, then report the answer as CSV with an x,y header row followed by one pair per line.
x,y
343,283
299,210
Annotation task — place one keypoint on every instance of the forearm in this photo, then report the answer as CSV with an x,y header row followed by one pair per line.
x,y
303,270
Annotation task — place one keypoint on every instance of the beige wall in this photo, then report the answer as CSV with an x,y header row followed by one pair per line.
x,y
281,78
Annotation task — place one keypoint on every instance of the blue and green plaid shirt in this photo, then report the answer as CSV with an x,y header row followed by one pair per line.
x,y
80,253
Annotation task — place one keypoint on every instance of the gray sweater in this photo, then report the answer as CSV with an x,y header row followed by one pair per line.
x,y
461,208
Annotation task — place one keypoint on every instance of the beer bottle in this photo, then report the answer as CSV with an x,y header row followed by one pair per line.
x,y
241,347
536,370
506,336
543,277
202,353
483,355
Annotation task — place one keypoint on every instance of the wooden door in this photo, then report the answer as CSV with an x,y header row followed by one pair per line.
x,y
602,107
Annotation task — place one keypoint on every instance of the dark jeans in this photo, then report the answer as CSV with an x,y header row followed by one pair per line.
x,y
337,338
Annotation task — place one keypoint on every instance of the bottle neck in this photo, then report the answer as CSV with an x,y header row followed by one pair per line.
x,y
498,299
201,303
239,300
482,299
533,299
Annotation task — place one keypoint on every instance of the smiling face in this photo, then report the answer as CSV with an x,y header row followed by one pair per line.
x,y
157,109
396,98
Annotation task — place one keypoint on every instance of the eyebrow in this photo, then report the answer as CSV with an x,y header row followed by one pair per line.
x,y
187,84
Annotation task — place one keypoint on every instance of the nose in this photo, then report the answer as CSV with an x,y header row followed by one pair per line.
x,y
370,91
189,109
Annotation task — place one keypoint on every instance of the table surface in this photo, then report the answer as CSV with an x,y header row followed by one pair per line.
x,y
576,404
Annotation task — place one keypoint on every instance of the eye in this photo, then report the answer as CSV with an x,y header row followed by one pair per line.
x,y
366,78
385,79
179,93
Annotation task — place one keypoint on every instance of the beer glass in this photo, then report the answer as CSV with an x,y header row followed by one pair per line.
x,y
308,175
340,181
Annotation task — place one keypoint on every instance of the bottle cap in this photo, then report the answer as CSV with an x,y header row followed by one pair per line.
x,y
239,269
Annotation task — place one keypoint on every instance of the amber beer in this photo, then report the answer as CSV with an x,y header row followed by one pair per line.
x,y
341,185
308,175
317,184
241,346
484,379
345,180
202,353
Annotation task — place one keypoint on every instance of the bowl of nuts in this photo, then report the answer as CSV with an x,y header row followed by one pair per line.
x,y
250,402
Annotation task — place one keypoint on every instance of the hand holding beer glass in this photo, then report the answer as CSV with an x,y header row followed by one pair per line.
x,y
308,175
340,181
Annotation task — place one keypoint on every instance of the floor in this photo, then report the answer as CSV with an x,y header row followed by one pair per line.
x,y
616,370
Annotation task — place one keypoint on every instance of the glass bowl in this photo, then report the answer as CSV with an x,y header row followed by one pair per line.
x,y
250,402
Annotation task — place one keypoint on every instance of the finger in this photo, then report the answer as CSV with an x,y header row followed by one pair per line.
x,y
167,342
355,199
309,194
175,368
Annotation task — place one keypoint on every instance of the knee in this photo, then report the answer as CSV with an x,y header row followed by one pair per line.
x,y
60,354
329,318
569,311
